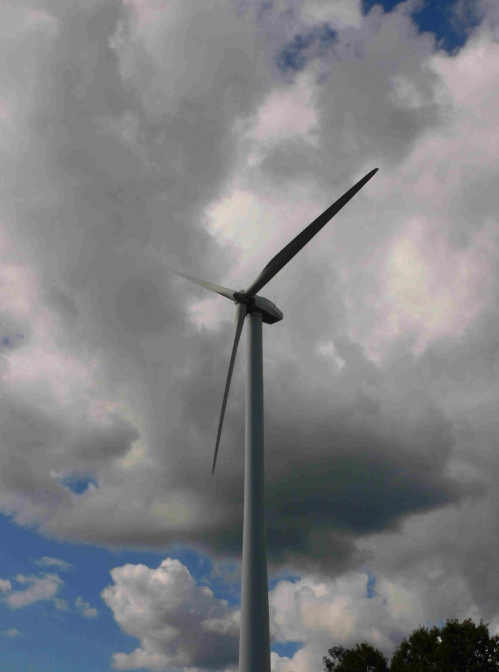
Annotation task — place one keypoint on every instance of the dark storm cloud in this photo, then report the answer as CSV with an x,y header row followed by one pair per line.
x,y
354,451
357,465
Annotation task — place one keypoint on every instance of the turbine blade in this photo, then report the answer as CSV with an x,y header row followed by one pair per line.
x,y
241,314
218,289
293,247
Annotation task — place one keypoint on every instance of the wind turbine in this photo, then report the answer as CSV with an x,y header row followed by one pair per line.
x,y
254,641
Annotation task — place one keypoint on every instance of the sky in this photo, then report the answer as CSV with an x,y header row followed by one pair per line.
x,y
138,136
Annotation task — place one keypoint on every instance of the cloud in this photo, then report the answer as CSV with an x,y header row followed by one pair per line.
x,y
342,13
38,589
178,620
5,585
151,133
85,609
47,561
43,588
178,623
322,613
60,604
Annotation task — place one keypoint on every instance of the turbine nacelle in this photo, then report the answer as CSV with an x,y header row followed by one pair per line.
x,y
270,312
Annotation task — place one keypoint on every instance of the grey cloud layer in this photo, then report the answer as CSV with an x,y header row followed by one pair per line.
x,y
127,122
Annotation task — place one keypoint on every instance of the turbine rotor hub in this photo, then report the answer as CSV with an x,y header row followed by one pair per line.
x,y
259,304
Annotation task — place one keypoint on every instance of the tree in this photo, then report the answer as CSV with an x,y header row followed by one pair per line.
x,y
419,653
457,647
363,658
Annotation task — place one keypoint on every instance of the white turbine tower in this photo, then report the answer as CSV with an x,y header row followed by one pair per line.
x,y
254,641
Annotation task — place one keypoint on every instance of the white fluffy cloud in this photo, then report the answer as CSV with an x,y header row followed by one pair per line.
x,y
341,13
325,613
85,608
178,623
24,591
47,561
5,586
37,588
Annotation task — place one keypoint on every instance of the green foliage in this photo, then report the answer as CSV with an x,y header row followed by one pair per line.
x,y
419,653
456,647
363,658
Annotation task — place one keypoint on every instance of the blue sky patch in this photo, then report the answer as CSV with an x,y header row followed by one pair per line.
x,y
49,636
449,22
282,576
78,484
442,18
303,46
286,649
